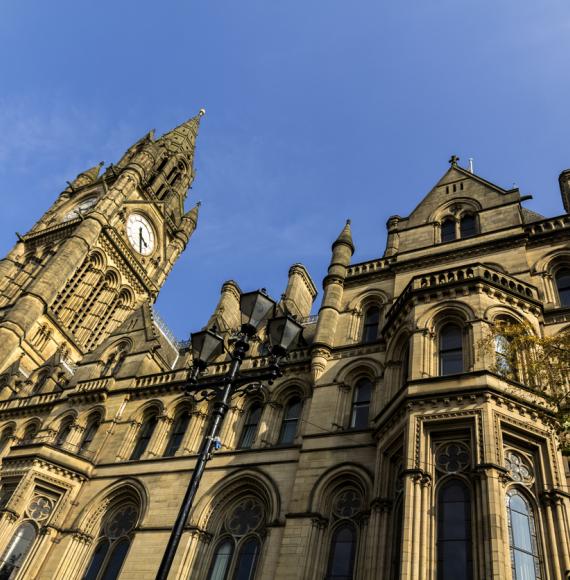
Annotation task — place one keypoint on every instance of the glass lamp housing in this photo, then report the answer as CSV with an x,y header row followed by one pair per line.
x,y
255,308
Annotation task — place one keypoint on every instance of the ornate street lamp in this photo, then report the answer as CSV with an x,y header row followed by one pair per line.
x,y
283,333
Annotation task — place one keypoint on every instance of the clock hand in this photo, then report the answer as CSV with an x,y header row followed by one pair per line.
x,y
140,240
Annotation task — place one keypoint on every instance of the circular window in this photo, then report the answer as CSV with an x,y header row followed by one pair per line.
x,y
245,517
452,458
40,508
519,468
347,504
122,521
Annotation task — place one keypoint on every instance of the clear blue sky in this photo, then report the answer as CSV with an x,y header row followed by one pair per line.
x,y
316,111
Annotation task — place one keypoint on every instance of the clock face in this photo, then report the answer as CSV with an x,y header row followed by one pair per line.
x,y
140,234
82,207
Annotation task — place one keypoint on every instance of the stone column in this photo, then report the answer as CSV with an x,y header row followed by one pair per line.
x,y
314,548
553,563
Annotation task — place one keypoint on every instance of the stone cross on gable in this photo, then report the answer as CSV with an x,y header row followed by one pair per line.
x,y
454,159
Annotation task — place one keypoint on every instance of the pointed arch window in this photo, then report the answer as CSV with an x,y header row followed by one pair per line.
x,y
291,419
147,429
250,427
237,553
361,404
450,349
5,438
64,431
18,548
523,538
177,433
40,383
468,226
114,543
448,230
563,286
454,549
342,552
30,433
371,323
90,431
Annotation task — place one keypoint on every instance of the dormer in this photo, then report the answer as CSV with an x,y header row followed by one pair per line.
x,y
460,206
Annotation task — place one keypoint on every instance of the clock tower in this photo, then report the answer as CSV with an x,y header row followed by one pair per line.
x,y
105,246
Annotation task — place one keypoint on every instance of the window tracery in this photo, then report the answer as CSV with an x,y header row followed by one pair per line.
x,y
519,467
346,507
452,457
236,555
113,543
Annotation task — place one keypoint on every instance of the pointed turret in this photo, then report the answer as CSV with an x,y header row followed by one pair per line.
x,y
86,177
345,237
189,222
333,286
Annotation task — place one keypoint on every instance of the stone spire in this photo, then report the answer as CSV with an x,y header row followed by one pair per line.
x,y
182,139
345,237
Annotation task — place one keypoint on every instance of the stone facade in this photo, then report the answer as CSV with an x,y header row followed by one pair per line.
x,y
388,449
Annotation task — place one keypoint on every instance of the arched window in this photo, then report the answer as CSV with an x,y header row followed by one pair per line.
x,y
563,285
40,383
237,553
177,433
64,431
454,559
113,545
450,349
468,226
361,404
30,433
342,552
448,230
222,559
405,365
397,526
5,438
17,550
290,421
90,431
147,429
250,426
523,538
371,322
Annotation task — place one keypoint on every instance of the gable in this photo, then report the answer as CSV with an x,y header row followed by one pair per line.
x,y
459,186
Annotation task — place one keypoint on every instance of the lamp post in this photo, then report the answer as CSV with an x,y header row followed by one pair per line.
x,y
283,332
